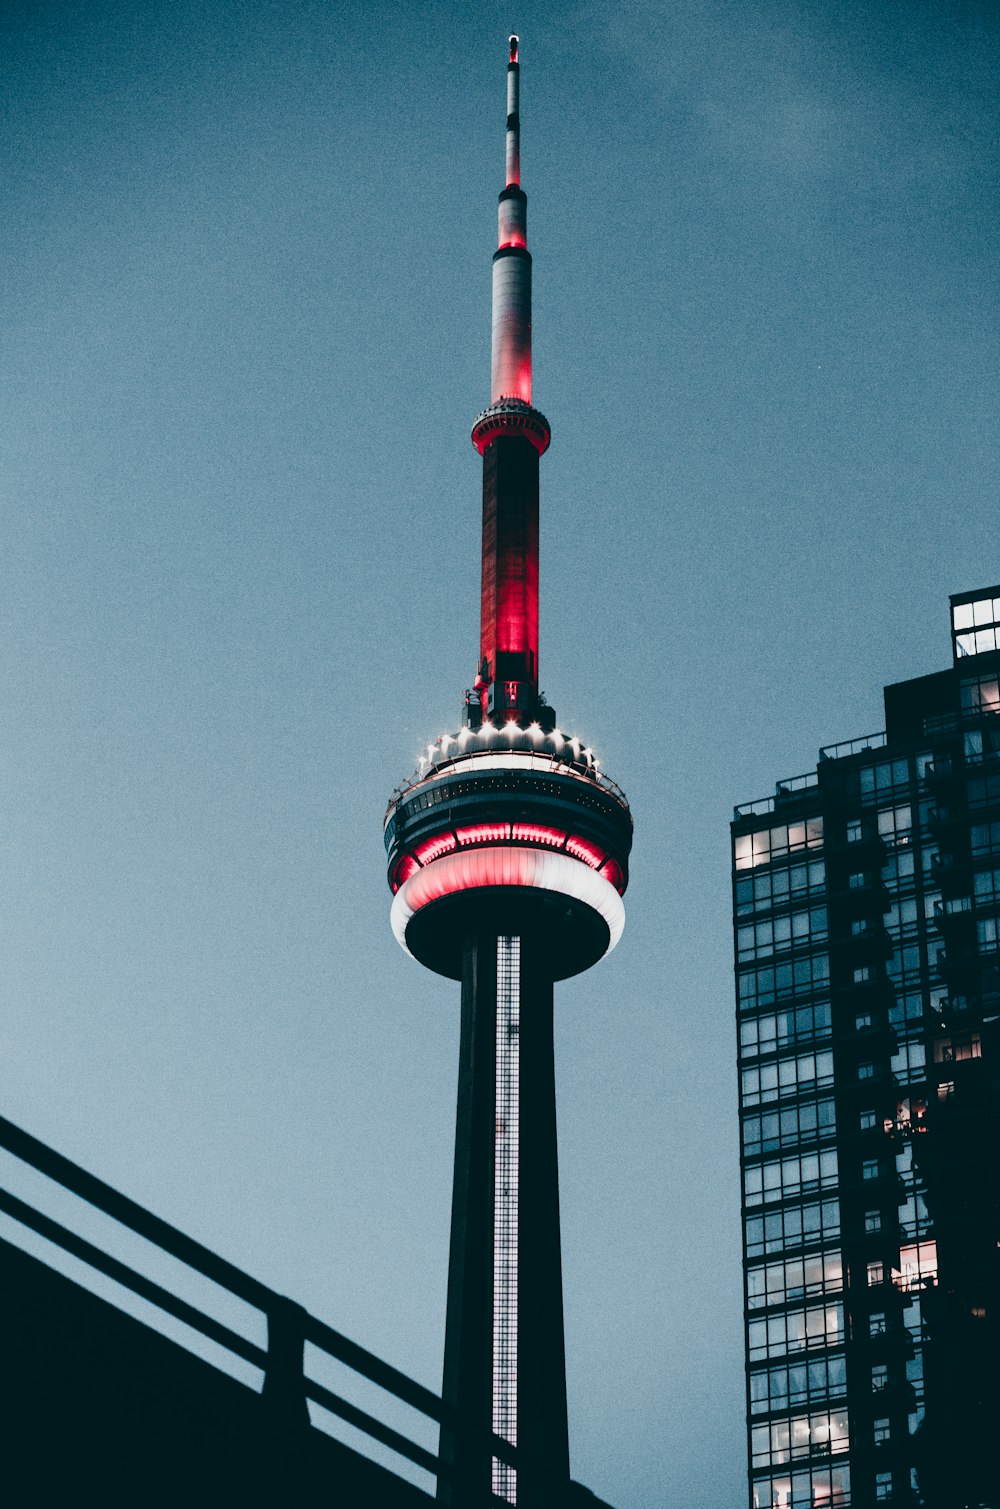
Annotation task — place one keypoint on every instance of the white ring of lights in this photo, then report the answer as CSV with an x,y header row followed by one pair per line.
x,y
527,869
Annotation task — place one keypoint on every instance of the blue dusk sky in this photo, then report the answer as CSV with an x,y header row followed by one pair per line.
x,y
245,308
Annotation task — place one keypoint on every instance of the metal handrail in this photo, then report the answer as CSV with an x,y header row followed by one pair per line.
x,y
854,746
286,1386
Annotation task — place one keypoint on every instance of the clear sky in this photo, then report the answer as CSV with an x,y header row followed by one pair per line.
x,y
245,314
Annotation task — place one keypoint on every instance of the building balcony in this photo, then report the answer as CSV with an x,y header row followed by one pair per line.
x,y
956,922
943,772
951,872
943,820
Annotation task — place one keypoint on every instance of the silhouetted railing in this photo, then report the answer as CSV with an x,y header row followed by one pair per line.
x,y
286,1387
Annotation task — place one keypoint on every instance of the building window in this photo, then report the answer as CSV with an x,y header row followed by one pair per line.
x,y
854,833
873,1221
881,1431
880,1377
881,778
866,1071
785,1178
794,930
895,824
908,1062
902,914
804,1488
876,1323
801,1436
806,1122
908,1008
963,1045
862,974
795,1226
868,1121
985,837
763,1034
981,694
869,1168
913,1218
876,1272
799,977
977,613
787,1387
883,1486
795,1278
775,887
986,935
898,867
862,1020
918,1266
812,1071
793,1331
904,962
753,849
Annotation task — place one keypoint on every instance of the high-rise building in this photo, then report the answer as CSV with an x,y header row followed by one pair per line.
x,y
867,921
508,857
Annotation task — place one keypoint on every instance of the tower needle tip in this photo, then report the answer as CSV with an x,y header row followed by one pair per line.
x,y
513,48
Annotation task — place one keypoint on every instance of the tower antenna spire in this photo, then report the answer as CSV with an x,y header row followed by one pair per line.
x,y
507,681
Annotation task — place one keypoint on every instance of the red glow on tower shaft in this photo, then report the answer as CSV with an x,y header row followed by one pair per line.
x,y
509,612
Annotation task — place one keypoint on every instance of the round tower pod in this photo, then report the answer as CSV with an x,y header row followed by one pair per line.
x,y
516,828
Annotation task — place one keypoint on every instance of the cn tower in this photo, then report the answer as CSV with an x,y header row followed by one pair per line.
x,y
507,858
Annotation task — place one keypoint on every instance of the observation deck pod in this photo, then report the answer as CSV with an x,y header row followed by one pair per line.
x,y
515,830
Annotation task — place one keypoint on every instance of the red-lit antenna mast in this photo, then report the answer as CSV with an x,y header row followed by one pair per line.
x,y
510,436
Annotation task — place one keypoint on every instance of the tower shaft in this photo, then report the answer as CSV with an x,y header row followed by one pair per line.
x,y
505,1368
509,621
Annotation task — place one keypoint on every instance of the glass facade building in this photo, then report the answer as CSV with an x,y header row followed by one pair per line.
x,y
867,943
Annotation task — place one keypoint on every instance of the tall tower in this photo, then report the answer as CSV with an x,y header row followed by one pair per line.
x,y
507,857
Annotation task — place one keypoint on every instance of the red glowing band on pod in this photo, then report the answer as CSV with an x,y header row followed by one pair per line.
x,y
433,848
532,834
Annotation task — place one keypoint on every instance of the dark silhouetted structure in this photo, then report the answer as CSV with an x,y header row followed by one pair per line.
x,y
867,901
508,856
101,1408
